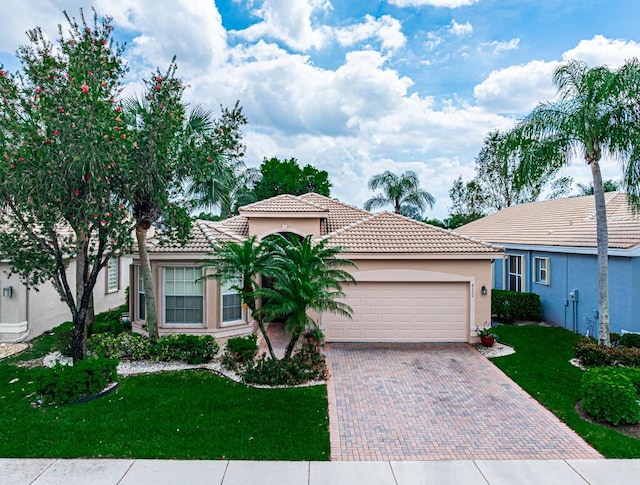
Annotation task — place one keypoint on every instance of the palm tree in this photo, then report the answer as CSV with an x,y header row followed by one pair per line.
x,y
403,192
243,264
309,277
597,112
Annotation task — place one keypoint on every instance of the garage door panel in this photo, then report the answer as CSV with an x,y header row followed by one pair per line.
x,y
403,312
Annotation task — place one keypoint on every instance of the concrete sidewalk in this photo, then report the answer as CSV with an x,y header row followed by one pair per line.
x,y
158,472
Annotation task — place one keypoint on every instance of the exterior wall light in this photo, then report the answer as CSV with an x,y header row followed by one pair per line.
x,y
483,290
7,291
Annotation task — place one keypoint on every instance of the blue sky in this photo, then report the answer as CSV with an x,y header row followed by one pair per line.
x,y
356,88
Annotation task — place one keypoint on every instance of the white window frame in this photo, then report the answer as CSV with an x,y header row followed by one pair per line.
x,y
519,276
166,294
113,267
225,290
140,315
538,271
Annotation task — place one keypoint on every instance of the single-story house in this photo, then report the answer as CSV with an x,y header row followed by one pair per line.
x,y
26,313
415,282
550,249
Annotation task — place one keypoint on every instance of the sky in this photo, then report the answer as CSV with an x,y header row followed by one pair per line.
x,y
359,87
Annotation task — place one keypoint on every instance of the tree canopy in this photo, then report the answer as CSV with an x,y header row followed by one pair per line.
x,y
402,191
287,177
64,149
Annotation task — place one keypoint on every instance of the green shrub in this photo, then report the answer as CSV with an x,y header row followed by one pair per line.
x,y
192,349
610,394
122,346
242,349
510,306
630,340
306,365
591,354
68,383
614,338
63,338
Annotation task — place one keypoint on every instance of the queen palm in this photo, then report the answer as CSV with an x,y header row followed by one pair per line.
x,y
243,264
309,277
597,112
403,192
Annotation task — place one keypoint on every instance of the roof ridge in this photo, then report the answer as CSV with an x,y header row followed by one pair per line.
x,y
206,230
250,207
347,227
344,204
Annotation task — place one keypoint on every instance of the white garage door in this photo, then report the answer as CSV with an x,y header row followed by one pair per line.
x,y
402,312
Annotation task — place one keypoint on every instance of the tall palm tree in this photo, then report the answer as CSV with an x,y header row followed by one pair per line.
x,y
403,192
309,277
243,264
597,112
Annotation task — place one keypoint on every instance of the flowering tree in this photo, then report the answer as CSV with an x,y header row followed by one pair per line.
x,y
62,148
171,147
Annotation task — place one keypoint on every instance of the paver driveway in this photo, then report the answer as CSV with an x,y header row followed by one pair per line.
x,y
436,402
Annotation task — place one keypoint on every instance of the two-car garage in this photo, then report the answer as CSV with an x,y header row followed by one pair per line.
x,y
403,311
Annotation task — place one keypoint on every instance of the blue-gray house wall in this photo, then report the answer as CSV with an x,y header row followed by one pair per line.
x,y
569,272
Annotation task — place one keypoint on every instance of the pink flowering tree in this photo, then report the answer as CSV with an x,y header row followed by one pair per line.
x,y
62,153
172,146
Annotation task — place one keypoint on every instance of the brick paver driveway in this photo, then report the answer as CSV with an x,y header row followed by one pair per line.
x,y
436,402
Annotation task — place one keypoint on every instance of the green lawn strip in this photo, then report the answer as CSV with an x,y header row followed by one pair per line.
x,y
185,415
541,367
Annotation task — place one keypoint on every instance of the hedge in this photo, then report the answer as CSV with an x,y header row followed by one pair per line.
x,y
510,306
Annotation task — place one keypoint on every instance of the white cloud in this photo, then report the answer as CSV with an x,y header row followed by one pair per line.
x,y
433,3
501,46
387,29
289,21
460,29
599,51
518,89
433,41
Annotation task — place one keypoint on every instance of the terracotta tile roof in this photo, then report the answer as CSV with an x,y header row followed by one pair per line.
x,y
391,233
283,203
203,235
559,222
340,214
357,230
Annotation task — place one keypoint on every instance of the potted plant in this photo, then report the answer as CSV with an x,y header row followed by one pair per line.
x,y
487,336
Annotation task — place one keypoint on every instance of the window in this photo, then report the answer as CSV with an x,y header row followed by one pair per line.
x,y
113,275
231,304
541,270
141,299
183,296
515,273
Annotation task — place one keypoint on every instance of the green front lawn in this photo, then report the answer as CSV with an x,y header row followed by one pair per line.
x,y
541,367
186,415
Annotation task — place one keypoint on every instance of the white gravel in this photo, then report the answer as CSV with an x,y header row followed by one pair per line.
x,y
129,368
496,350
9,349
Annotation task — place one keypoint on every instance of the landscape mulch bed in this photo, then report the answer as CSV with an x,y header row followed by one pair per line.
x,y
632,430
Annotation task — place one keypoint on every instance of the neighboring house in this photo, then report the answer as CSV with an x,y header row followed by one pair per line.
x,y
26,312
415,282
551,250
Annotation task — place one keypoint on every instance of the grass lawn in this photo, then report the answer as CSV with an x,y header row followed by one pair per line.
x,y
541,367
186,415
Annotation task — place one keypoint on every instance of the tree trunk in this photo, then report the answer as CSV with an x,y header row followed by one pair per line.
x,y
91,316
603,253
267,340
295,336
149,295
79,339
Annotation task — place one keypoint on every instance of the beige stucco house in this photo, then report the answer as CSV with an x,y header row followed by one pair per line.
x,y
26,312
415,282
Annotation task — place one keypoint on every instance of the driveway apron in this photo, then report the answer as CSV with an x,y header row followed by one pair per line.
x,y
436,402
